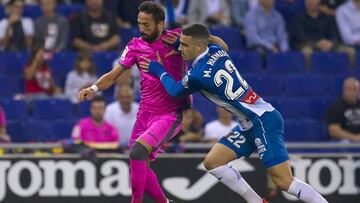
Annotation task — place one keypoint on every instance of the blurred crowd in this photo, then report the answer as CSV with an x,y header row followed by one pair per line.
x,y
315,26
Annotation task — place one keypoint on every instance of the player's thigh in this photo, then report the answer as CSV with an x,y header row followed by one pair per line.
x,y
219,155
161,129
281,175
232,146
267,136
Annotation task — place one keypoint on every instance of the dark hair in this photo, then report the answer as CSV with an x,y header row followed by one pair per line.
x,y
153,8
84,56
197,31
98,99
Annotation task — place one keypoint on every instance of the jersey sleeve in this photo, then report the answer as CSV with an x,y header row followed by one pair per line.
x,y
128,56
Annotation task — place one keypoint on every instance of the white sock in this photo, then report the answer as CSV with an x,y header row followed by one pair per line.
x,y
305,192
232,179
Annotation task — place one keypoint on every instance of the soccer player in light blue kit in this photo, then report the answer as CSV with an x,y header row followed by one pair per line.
x,y
260,126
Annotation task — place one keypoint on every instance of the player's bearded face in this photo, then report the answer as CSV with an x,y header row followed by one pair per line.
x,y
151,36
150,29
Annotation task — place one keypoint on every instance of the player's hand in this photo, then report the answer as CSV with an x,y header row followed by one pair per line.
x,y
85,94
152,67
171,38
144,65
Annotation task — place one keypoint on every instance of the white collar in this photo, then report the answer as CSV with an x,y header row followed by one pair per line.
x,y
200,56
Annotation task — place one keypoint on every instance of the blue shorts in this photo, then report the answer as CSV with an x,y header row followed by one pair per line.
x,y
265,136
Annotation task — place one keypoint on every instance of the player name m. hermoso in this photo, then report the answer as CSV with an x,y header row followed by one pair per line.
x,y
216,56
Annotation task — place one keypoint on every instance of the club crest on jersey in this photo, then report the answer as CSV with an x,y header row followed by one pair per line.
x,y
185,81
122,57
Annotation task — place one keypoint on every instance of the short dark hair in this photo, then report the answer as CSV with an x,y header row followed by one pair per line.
x,y
153,8
197,31
98,99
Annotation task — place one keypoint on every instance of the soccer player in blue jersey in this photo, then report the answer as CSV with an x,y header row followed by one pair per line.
x,y
260,126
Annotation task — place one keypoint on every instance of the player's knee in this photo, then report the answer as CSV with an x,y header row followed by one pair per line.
x,y
282,183
138,152
210,164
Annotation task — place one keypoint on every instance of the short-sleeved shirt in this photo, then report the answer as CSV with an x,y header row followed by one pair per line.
x,y
215,129
27,24
90,133
154,97
95,30
40,82
348,116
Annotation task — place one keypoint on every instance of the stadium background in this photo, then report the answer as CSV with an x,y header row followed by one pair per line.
x,y
301,95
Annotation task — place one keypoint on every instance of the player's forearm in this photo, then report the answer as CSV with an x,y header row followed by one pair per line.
x,y
218,41
109,78
174,89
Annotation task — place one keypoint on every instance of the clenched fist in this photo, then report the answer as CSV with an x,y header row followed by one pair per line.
x,y
86,94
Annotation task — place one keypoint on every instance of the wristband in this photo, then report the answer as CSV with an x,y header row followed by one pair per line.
x,y
94,87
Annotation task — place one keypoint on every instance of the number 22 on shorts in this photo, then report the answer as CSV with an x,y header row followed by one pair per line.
x,y
236,139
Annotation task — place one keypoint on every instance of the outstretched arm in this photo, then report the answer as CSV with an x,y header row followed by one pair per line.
x,y
102,83
173,88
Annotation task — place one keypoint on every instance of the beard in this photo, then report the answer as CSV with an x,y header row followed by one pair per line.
x,y
150,38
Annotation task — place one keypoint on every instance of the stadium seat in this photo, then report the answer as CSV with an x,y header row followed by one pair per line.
x,y
300,85
292,108
284,63
61,64
15,62
82,109
253,80
330,63
304,130
246,62
61,129
38,131
316,107
231,35
336,84
2,12
127,34
51,109
16,130
32,11
104,61
270,85
358,62
205,107
68,10
15,109
9,86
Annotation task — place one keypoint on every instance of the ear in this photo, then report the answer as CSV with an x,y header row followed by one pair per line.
x,y
162,24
